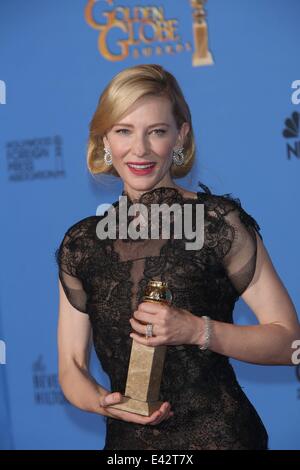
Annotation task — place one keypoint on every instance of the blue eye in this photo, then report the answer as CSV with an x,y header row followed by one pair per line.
x,y
158,131
161,131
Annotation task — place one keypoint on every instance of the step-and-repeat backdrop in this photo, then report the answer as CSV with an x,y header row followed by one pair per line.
x,y
237,62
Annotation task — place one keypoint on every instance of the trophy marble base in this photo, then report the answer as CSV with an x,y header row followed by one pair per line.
x,y
141,395
143,408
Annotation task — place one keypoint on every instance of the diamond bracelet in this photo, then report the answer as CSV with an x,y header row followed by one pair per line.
x,y
207,333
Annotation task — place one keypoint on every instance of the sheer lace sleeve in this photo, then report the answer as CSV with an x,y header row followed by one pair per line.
x,y
69,256
238,241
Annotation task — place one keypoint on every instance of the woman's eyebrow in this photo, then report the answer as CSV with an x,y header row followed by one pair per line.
x,y
152,125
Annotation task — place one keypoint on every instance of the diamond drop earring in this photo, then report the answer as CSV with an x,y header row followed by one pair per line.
x,y
178,156
107,157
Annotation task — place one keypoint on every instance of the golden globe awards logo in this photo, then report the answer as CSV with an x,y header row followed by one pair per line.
x,y
144,31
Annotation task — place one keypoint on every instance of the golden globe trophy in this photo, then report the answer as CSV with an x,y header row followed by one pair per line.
x,y
146,364
201,55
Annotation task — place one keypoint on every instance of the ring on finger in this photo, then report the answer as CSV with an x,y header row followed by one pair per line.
x,y
149,330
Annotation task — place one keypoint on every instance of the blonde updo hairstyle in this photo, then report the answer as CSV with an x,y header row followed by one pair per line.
x,y
120,94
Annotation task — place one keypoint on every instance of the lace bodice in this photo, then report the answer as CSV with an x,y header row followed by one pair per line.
x,y
106,278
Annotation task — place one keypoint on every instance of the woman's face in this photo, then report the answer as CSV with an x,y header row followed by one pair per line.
x,y
142,142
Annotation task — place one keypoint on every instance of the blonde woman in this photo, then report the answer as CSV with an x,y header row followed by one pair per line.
x,y
142,133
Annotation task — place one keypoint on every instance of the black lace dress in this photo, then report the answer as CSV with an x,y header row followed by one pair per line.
x,y
106,278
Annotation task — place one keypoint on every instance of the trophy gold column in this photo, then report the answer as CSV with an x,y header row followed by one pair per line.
x,y
201,55
146,364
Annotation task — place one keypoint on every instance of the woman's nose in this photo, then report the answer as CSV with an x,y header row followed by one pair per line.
x,y
140,147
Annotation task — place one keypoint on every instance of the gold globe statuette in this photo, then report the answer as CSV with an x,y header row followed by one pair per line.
x,y
146,364
201,55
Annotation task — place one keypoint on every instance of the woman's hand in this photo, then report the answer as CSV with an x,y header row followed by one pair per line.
x,y
162,414
171,325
